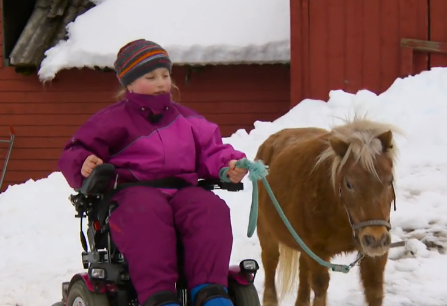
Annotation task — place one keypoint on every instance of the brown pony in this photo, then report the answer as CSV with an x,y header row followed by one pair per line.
x,y
336,189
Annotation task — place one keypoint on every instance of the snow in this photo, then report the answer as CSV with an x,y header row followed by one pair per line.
x,y
193,32
39,235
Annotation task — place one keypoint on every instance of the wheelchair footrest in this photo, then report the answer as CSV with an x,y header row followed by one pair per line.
x,y
162,298
210,292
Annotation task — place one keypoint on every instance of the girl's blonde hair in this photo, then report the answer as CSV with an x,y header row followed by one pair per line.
x,y
175,92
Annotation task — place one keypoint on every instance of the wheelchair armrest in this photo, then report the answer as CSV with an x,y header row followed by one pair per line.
x,y
98,181
211,184
231,186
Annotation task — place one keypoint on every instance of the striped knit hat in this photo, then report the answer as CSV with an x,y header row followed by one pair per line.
x,y
139,57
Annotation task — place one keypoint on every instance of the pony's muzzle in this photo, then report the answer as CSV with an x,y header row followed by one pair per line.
x,y
371,241
375,240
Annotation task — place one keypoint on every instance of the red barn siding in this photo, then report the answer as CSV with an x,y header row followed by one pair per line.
x,y
299,50
351,44
438,30
45,116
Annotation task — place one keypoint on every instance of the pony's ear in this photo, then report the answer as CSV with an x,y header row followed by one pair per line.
x,y
339,146
386,139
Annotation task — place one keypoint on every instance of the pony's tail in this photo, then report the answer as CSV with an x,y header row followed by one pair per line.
x,y
288,270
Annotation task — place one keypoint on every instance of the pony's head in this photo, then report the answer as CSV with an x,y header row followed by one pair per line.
x,y
363,155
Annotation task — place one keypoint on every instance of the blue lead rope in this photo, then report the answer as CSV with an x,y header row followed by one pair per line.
x,y
257,171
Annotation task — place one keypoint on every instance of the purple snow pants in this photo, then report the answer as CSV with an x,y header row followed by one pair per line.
x,y
143,229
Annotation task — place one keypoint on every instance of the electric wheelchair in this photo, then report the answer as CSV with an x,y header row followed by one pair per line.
x,y
106,281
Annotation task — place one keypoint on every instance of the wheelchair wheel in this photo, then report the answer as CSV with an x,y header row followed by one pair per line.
x,y
243,295
79,295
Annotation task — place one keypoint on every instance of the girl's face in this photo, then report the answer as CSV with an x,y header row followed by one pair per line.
x,y
156,82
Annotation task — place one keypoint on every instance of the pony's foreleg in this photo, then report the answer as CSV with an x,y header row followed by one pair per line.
x,y
372,275
319,280
270,258
303,298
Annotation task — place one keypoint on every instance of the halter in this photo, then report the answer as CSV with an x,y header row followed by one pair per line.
x,y
375,222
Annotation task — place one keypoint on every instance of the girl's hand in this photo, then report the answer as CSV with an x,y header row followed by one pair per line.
x,y
90,163
235,174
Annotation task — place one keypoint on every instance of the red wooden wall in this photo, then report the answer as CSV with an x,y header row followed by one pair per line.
x,y
355,44
438,30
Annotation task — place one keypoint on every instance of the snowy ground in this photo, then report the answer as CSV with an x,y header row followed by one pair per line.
x,y
39,234
193,32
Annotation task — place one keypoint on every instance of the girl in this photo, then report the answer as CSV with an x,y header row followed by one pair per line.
x,y
147,136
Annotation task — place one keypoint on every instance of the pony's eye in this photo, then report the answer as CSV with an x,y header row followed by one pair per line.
x,y
348,184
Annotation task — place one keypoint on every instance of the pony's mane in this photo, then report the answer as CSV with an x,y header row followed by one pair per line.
x,y
361,135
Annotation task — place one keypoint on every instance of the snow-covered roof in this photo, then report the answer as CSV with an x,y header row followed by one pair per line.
x,y
192,31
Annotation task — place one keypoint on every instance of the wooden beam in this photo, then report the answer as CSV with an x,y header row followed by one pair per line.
x,y
424,45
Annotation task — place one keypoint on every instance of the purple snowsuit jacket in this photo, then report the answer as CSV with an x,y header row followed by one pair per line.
x,y
182,144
